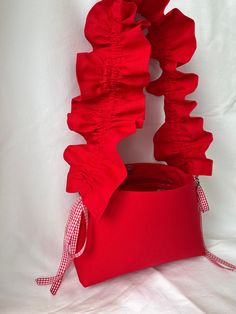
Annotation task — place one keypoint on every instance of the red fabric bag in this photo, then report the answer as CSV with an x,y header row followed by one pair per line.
x,y
133,216
152,218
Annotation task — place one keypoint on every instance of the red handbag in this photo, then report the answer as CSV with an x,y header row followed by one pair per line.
x,y
152,218
138,215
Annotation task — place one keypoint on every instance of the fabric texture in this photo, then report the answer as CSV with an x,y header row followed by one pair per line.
x,y
111,105
153,218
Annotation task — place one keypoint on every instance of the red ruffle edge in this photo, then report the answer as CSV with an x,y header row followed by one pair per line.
x,y
111,105
181,141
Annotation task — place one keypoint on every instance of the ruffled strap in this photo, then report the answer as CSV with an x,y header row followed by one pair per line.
x,y
111,105
181,141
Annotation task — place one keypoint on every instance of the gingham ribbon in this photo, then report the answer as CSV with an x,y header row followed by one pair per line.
x,y
203,207
202,200
69,248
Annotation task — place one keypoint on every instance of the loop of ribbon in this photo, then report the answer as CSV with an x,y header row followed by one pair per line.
x,y
204,207
69,247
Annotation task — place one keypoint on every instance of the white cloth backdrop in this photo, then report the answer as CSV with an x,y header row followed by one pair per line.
x,y
38,45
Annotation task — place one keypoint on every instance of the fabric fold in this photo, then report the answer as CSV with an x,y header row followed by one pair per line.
x,y
111,104
181,141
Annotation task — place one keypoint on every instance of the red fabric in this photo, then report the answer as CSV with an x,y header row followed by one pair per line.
x,y
160,224
181,141
112,105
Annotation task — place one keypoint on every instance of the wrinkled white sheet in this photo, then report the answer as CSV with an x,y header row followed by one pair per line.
x,y
38,45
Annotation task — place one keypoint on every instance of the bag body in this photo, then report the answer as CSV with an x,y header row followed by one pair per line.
x,y
152,218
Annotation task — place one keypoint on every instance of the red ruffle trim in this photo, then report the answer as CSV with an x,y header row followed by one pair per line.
x,y
181,141
111,105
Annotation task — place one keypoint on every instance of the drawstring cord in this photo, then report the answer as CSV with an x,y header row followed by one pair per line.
x,y
69,248
204,207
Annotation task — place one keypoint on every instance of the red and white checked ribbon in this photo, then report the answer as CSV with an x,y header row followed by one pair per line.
x,y
69,248
202,201
203,207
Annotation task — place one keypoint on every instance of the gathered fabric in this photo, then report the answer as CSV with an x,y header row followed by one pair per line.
x,y
112,104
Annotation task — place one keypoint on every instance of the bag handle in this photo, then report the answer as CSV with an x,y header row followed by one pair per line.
x,y
181,141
